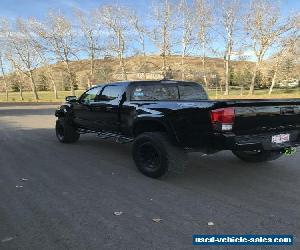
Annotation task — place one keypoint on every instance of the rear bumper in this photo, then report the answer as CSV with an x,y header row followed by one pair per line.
x,y
263,141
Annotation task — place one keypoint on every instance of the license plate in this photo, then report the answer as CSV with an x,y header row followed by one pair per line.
x,y
280,138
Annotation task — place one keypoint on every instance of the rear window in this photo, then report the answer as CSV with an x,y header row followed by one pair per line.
x,y
155,92
192,92
160,92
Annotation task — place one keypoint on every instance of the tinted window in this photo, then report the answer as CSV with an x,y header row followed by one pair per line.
x,y
155,92
110,93
90,95
192,92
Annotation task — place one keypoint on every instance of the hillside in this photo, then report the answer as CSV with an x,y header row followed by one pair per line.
x,y
108,70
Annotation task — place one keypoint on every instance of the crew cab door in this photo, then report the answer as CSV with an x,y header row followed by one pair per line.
x,y
83,109
106,109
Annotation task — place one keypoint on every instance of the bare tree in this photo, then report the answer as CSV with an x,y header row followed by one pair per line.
x,y
3,45
20,80
228,13
91,31
287,49
60,40
204,23
24,52
116,19
43,54
264,27
3,75
49,73
140,30
187,26
19,75
164,24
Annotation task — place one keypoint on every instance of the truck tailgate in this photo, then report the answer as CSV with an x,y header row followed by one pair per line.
x,y
264,116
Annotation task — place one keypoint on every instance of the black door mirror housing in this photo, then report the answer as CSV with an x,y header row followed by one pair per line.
x,y
71,98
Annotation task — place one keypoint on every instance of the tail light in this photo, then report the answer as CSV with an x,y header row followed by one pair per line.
x,y
222,119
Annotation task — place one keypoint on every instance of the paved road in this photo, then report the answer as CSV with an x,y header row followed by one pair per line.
x,y
72,192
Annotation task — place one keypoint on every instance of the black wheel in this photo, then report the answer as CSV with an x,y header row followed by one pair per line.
x,y
65,132
154,154
258,156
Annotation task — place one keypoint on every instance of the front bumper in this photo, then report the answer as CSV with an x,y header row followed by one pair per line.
x,y
230,141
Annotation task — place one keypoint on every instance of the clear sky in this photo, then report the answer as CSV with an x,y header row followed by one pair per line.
x,y
38,8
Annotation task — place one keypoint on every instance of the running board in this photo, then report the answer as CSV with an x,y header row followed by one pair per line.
x,y
119,138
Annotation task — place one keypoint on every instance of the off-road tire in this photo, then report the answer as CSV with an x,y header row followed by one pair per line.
x,y
259,156
65,131
155,155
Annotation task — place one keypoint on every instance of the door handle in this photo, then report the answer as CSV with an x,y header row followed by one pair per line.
x,y
109,108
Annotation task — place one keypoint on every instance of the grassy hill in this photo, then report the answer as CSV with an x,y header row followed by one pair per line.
x,y
107,70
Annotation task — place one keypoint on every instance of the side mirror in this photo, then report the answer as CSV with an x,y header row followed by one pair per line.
x,y
71,98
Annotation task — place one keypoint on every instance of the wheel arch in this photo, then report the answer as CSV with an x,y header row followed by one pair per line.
x,y
64,111
152,125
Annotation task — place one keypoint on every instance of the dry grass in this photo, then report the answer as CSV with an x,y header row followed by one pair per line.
x,y
258,94
47,96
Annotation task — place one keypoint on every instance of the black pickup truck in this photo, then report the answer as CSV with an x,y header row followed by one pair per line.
x,y
167,118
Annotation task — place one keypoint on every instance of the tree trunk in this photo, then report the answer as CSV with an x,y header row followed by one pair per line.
x,y
144,70
203,66
227,62
227,67
144,60
21,92
71,78
72,88
182,69
55,91
120,54
251,90
164,51
252,85
205,81
122,64
20,80
226,75
6,87
184,48
182,66
52,82
164,67
4,79
144,66
33,87
92,67
273,81
54,87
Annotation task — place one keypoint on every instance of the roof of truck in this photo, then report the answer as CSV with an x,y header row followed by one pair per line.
x,y
145,81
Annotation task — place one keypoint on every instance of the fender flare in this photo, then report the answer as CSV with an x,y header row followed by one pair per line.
x,y
158,120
